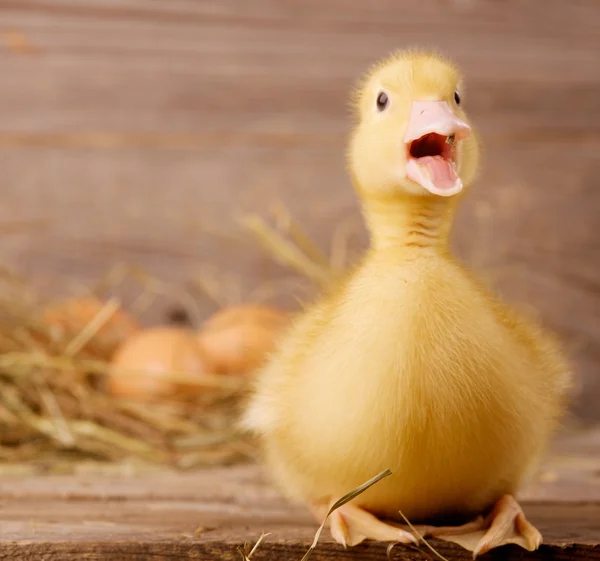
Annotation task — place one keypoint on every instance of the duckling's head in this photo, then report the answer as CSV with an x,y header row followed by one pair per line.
x,y
412,137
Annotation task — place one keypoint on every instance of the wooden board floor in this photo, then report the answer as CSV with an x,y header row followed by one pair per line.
x,y
211,514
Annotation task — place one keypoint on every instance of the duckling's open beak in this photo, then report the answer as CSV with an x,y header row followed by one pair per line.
x,y
431,136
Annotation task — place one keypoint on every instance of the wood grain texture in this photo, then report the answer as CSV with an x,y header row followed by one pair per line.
x,y
137,126
211,514
225,545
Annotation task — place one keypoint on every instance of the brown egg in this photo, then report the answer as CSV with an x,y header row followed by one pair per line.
x,y
237,339
158,362
68,317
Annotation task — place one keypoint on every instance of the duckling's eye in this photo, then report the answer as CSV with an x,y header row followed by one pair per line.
x,y
382,101
456,97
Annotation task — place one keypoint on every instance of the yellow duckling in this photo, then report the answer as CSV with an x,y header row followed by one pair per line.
x,y
410,363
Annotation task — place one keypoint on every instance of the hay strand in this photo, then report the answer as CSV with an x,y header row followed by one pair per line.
x,y
341,502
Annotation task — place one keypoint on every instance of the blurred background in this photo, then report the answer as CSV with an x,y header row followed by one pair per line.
x,y
138,135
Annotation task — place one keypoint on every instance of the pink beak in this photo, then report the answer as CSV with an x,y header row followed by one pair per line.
x,y
432,163
434,117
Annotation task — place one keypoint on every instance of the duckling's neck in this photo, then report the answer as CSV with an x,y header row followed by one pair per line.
x,y
410,221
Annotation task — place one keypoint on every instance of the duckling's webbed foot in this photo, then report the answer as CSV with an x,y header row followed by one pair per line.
x,y
506,524
350,525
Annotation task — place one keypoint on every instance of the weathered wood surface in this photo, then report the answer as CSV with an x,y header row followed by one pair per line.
x,y
211,514
134,127
157,530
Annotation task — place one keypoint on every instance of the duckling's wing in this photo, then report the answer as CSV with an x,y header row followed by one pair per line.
x,y
272,381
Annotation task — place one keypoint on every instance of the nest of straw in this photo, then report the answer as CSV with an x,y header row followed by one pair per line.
x,y
55,414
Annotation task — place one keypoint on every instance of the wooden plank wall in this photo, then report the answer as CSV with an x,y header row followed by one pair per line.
x,y
131,128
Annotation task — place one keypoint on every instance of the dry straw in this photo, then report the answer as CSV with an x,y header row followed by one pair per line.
x,y
54,412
